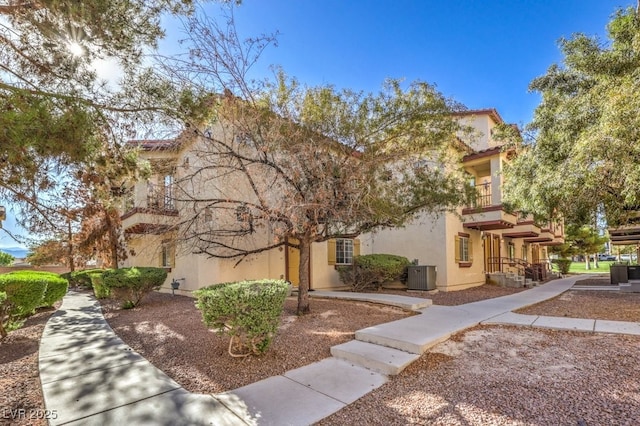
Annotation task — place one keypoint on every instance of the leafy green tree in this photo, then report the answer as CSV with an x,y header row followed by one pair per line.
x,y
6,258
60,121
585,146
582,240
315,163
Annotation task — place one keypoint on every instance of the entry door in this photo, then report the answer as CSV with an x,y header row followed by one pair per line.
x,y
292,260
535,253
496,252
492,253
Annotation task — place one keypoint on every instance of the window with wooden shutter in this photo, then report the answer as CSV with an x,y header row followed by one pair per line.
x,y
331,252
463,250
340,251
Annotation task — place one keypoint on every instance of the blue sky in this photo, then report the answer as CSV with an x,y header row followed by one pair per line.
x,y
483,54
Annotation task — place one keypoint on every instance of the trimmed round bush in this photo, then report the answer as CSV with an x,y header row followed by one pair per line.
x,y
57,285
130,285
23,291
247,311
371,270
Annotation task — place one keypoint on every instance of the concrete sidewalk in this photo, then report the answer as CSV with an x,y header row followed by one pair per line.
x,y
89,376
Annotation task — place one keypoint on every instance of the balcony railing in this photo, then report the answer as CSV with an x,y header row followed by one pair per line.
x,y
483,195
161,201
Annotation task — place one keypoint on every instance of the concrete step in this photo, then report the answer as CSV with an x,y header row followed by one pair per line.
x,y
374,357
630,287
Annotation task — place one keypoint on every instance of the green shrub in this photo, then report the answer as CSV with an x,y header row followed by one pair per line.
x,y
100,290
56,289
56,285
24,292
130,285
358,279
248,311
371,270
563,265
81,278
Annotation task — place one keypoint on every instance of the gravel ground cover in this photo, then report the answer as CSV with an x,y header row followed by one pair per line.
x,y
169,332
484,376
593,304
20,389
503,375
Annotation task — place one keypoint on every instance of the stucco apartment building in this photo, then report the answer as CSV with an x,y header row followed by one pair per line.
x,y
466,247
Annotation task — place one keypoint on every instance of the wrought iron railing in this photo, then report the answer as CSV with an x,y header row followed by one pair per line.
x,y
483,195
538,271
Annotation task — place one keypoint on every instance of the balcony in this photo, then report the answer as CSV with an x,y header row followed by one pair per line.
x,y
484,215
525,228
545,238
157,217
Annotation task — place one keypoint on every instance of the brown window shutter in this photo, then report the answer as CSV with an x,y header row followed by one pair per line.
x,y
470,250
356,247
457,249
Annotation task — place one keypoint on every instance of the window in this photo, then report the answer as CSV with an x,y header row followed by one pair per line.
x,y
524,252
168,192
342,250
167,256
463,248
511,251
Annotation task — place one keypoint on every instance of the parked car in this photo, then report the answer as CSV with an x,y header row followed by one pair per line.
x,y
606,257
628,257
601,258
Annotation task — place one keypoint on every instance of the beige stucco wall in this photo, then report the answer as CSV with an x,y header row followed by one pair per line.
x,y
459,278
483,125
199,270
431,240
422,239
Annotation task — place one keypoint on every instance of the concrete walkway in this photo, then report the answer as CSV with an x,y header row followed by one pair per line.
x,y
90,377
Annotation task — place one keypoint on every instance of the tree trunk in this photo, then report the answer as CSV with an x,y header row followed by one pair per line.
x,y
72,266
303,277
113,239
595,260
587,262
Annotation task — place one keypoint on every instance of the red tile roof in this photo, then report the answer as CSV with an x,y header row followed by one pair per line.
x,y
492,112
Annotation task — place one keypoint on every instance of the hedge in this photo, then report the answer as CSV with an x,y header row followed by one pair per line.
x,y
99,289
247,311
130,285
56,289
57,285
24,292
81,278
371,270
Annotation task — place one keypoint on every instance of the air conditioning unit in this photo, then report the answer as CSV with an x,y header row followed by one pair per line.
x,y
421,277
